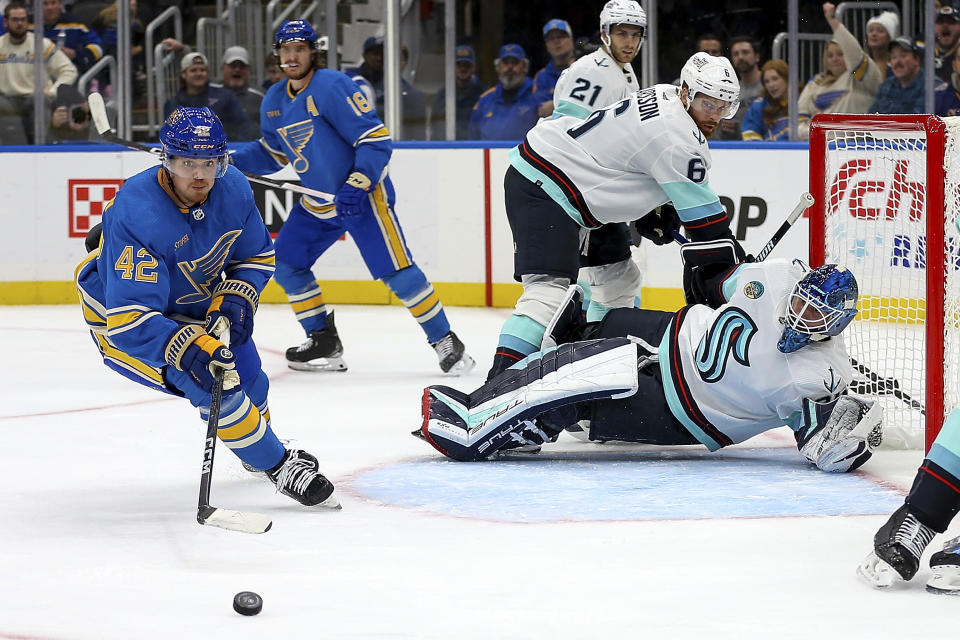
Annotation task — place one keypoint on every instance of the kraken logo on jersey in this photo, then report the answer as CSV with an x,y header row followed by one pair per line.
x,y
205,272
730,335
297,135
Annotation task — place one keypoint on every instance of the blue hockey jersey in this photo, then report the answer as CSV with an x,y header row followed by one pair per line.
x,y
326,131
158,263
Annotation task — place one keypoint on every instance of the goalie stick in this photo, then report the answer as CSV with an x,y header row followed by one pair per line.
x,y
98,112
242,521
877,385
806,201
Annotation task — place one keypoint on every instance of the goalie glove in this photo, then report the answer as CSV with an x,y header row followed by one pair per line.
x,y
846,441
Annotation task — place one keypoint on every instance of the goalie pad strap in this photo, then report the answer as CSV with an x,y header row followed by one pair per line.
x,y
472,427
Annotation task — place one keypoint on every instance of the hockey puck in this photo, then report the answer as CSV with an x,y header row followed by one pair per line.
x,y
247,603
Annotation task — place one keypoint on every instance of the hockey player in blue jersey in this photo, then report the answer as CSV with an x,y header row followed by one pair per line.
x,y
320,122
182,258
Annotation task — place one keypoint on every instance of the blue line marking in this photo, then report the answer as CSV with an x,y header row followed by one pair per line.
x,y
616,485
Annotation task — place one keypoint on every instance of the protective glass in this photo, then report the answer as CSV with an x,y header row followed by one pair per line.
x,y
197,168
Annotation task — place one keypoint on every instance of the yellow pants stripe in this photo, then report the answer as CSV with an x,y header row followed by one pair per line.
x,y
390,229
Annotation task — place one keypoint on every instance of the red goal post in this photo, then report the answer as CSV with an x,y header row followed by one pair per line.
x,y
887,192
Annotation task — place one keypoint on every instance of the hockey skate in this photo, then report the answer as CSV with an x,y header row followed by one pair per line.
x,y
321,351
897,548
945,567
298,477
454,360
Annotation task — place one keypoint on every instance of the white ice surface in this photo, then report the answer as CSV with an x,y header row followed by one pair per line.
x,y
98,538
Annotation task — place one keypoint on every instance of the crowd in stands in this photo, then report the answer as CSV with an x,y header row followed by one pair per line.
x,y
882,73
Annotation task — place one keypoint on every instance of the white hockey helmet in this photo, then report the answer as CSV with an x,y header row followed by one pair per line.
x,y
621,12
714,76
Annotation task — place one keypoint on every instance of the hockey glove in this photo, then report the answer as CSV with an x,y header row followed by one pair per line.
x,y
845,442
658,225
349,199
233,305
194,352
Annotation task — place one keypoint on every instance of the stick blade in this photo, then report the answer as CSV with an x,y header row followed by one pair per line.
x,y
241,521
98,111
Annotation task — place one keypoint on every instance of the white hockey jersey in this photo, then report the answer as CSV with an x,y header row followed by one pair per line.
x,y
592,82
724,378
624,161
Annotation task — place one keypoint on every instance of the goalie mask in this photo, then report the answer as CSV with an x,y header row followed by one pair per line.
x,y
821,305
713,76
621,12
194,143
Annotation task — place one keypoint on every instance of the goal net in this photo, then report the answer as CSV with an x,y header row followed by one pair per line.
x,y
887,191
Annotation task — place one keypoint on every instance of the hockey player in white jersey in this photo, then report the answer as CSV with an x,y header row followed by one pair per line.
x,y
569,175
763,351
606,75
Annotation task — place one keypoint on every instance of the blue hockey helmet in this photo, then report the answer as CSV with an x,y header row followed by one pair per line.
x,y
295,31
193,132
821,305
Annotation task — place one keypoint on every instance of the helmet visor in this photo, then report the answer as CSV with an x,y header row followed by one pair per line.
x,y
196,168
715,106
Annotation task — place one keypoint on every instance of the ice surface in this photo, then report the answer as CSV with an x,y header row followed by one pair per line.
x,y
99,538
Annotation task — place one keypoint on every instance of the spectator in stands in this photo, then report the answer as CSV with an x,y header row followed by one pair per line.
x,y
369,76
81,44
903,93
848,82
70,119
196,91
745,56
881,30
509,109
16,73
558,38
710,43
271,66
947,32
236,78
947,97
768,116
106,25
468,91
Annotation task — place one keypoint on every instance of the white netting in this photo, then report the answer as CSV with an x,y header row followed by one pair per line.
x,y
875,224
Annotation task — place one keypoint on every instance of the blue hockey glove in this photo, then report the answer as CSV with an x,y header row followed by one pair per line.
x,y
658,225
203,357
349,199
233,305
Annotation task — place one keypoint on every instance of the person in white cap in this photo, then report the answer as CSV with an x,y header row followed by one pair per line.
x,y
196,91
881,30
236,78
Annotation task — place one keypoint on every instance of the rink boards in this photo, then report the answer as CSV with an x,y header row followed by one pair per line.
x,y
449,202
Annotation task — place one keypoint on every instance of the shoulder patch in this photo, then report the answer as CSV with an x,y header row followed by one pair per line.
x,y
753,289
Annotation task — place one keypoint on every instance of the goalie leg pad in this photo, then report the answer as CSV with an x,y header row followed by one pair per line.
x,y
475,426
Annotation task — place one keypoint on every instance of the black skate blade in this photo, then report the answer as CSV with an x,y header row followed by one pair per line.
x,y
417,433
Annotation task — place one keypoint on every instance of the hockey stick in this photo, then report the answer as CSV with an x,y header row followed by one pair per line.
x,y
244,522
98,112
879,386
806,201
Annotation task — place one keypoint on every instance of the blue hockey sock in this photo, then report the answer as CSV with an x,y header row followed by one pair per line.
x,y
423,303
